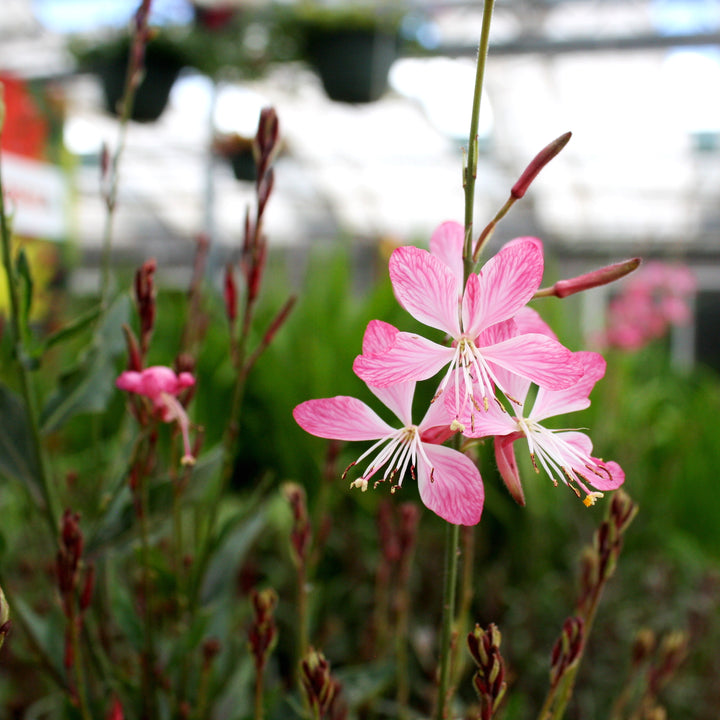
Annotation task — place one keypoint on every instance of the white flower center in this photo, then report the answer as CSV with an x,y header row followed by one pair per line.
x,y
560,459
398,452
473,381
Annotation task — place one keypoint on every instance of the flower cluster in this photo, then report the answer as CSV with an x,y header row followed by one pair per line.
x,y
655,298
498,349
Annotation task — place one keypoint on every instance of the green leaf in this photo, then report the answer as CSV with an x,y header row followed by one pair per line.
x,y
17,457
87,387
24,277
44,635
72,328
235,538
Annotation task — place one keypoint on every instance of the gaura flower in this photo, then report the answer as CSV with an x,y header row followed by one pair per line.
x,y
429,286
448,481
161,385
565,455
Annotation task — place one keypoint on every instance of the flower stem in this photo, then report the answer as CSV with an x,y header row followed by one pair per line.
x,y
149,652
470,171
452,535
50,502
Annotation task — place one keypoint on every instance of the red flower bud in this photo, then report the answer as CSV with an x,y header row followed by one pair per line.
x,y
538,163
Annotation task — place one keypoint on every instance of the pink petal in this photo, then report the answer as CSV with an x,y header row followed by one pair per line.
x,y
451,486
411,358
576,397
378,338
129,380
608,475
340,418
507,465
613,480
472,305
507,282
426,288
438,415
484,423
447,244
538,358
398,397
528,320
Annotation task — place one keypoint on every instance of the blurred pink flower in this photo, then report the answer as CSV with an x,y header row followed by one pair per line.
x,y
654,298
429,286
448,481
161,385
563,454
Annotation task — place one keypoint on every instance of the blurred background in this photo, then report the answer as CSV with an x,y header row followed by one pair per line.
x,y
375,155
371,158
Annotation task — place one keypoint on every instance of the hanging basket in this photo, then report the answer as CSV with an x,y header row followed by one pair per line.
x,y
353,63
162,66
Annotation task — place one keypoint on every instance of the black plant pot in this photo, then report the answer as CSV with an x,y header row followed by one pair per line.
x,y
353,63
162,68
243,164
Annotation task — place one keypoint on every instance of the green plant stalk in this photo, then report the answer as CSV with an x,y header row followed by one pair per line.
x,y
80,693
50,509
452,533
470,171
202,700
229,442
259,696
556,709
126,105
148,679
302,611
466,596
402,693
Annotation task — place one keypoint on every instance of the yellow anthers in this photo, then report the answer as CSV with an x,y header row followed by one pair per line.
x,y
592,498
361,483
457,426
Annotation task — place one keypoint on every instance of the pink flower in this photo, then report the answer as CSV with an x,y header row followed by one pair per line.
x,y
162,386
428,285
448,481
656,297
563,454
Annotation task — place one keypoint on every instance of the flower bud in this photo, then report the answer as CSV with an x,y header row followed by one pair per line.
x,y
4,617
210,650
317,682
489,679
116,711
643,646
622,510
301,533
596,278
538,163
567,649
671,653
230,294
268,131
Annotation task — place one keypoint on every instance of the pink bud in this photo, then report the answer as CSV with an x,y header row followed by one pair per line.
x,y
230,294
538,163
602,276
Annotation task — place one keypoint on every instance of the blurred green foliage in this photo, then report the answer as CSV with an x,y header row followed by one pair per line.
x,y
655,421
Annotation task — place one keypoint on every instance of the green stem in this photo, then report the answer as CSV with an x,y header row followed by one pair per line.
x,y
470,172
259,697
126,106
302,612
567,684
465,599
149,660
452,535
50,502
80,686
